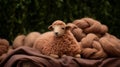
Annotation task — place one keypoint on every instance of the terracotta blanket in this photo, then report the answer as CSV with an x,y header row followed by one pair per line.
x,y
29,57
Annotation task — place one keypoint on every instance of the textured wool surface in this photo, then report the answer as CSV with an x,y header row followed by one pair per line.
x,y
4,45
110,44
30,38
97,43
25,40
90,25
76,31
18,41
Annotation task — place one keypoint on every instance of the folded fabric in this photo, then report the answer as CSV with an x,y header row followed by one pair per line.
x,y
29,57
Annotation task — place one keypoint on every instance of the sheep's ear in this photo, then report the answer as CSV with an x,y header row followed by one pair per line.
x,y
50,27
68,27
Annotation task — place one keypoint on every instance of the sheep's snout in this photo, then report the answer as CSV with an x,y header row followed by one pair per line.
x,y
58,30
56,33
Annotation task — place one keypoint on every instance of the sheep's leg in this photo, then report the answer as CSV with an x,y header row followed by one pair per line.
x,y
77,55
54,55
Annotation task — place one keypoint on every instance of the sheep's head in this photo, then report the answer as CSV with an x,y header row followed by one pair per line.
x,y
73,26
59,28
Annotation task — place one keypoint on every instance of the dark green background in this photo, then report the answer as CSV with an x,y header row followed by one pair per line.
x,y
24,16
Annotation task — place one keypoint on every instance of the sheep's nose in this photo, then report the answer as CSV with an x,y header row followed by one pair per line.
x,y
56,33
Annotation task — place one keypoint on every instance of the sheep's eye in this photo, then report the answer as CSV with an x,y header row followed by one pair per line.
x,y
63,28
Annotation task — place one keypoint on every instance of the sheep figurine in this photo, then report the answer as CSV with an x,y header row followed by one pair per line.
x,y
59,42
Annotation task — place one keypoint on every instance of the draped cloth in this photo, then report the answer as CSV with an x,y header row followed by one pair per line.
x,y
29,57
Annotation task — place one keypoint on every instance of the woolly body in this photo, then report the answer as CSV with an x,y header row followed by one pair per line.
x,y
49,43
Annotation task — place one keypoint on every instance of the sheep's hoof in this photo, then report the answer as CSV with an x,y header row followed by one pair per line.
x,y
77,55
54,55
64,55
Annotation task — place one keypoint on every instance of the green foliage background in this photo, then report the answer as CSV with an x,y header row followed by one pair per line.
x,y
24,16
